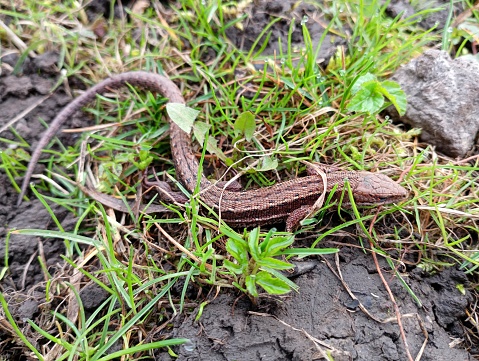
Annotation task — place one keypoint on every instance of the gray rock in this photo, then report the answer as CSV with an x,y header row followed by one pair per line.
x,y
443,100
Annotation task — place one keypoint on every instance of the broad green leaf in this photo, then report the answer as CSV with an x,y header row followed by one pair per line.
x,y
276,244
245,125
268,163
253,245
274,263
361,80
282,277
272,285
233,267
199,130
394,93
212,148
251,286
369,95
368,99
238,250
182,116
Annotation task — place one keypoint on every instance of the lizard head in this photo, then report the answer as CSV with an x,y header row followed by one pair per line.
x,y
375,189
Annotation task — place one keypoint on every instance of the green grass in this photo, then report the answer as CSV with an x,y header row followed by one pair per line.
x,y
300,114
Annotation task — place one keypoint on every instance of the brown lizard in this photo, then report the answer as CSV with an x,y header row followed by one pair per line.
x,y
288,201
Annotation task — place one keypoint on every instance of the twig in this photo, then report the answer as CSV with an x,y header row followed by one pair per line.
x,y
181,248
27,266
16,40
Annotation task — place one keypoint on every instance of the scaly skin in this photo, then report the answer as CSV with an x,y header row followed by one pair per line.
x,y
288,201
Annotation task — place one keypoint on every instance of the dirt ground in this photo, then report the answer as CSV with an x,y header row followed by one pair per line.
x,y
322,318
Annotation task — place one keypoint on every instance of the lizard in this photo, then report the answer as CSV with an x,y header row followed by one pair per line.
x,y
288,201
